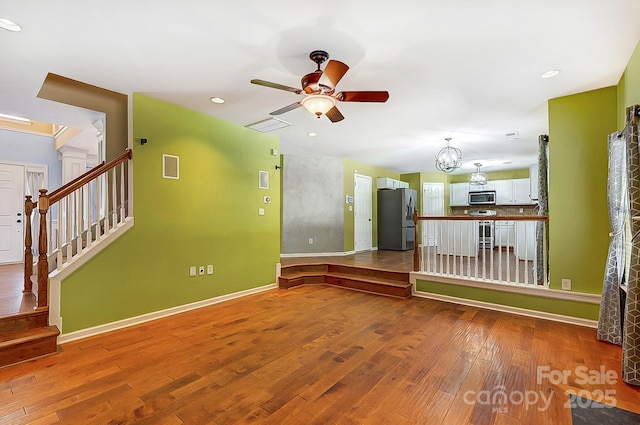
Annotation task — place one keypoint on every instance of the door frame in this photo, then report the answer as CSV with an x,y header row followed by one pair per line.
x,y
355,222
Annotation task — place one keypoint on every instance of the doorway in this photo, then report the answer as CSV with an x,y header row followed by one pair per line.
x,y
11,213
362,212
432,205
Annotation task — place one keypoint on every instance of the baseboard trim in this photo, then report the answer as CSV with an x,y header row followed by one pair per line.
x,y
108,327
318,254
508,309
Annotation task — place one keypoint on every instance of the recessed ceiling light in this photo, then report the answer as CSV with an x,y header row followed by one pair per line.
x,y
550,74
217,100
9,25
312,134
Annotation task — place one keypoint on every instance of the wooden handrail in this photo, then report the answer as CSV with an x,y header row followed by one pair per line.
x,y
77,178
485,218
77,183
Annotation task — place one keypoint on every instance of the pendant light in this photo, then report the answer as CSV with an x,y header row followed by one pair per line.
x,y
449,158
478,178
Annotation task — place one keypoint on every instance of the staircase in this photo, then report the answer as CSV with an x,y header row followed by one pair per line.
x,y
27,335
376,281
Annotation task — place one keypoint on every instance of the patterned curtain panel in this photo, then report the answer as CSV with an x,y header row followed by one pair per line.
x,y
610,318
542,229
631,327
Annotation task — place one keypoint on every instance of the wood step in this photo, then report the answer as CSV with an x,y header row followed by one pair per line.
x,y
19,346
24,320
376,281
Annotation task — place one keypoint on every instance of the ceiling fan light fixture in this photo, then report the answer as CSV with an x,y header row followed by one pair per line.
x,y
448,158
318,104
478,178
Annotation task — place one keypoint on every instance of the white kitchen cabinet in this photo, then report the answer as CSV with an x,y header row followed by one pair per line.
x,y
482,188
521,189
389,183
504,234
459,194
512,192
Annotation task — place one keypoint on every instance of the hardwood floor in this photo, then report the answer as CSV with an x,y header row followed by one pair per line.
x,y
12,300
315,355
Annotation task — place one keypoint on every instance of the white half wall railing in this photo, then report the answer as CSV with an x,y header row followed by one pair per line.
x,y
500,249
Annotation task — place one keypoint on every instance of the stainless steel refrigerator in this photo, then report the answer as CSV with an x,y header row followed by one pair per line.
x,y
395,219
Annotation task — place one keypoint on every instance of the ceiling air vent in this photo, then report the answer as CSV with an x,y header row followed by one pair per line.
x,y
268,124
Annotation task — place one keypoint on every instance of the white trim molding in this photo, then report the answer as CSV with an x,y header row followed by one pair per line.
x,y
536,291
131,321
508,309
318,254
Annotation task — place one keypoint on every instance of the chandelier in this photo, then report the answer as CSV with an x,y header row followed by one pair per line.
x,y
449,158
478,178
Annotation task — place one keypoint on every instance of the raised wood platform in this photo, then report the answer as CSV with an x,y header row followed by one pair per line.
x,y
25,336
25,333
377,281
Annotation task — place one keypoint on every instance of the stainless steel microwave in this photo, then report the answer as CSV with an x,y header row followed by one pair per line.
x,y
487,197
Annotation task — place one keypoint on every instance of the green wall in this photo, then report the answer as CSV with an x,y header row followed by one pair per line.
x,y
352,167
578,216
208,216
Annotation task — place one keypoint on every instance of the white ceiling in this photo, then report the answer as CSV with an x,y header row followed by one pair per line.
x,y
464,69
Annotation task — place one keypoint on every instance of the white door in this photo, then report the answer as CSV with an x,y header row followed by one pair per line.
x,y
11,213
432,205
362,212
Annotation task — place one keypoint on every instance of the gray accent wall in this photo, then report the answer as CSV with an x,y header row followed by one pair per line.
x,y
312,204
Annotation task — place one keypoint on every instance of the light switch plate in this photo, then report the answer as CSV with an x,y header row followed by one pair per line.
x,y
210,269
566,284
201,270
192,271
260,211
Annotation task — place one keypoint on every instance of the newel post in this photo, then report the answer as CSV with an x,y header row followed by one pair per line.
x,y
43,263
29,205
416,257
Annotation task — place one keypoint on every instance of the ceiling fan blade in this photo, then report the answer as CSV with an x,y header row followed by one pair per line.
x,y
286,109
334,115
363,96
276,86
333,73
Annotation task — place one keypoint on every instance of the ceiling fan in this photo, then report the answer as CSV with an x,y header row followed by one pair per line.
x,y
319,89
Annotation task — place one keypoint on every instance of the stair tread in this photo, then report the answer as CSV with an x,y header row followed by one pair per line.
x,y
372,279
19,337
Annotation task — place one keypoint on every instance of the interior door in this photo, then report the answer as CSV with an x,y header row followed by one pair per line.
x,y
432,205
362,212
11,213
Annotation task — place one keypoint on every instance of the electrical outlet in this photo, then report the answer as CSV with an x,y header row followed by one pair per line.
x,y
192,271
210,269
310,241
566,284
521,210
201,270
